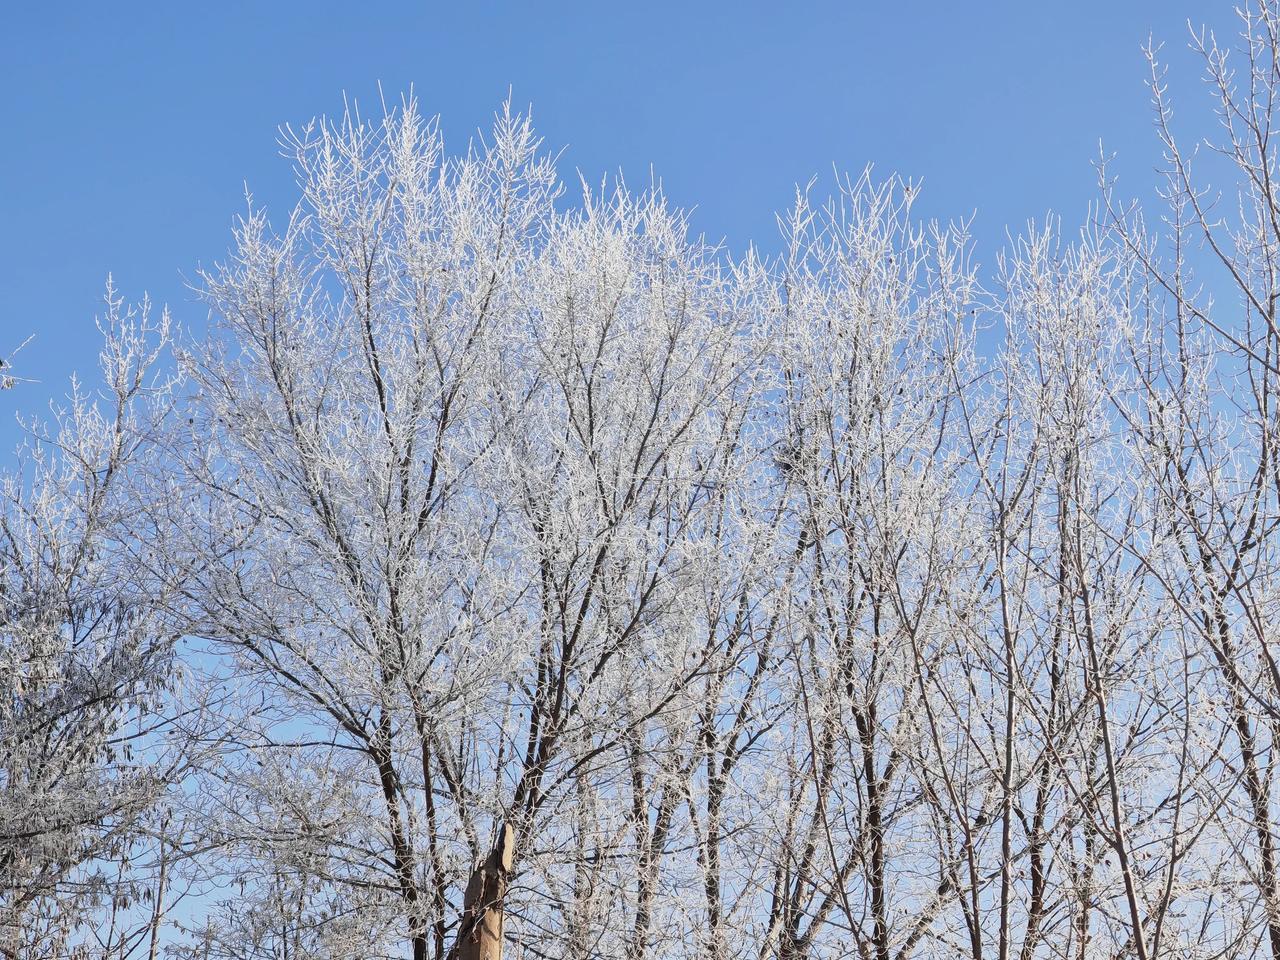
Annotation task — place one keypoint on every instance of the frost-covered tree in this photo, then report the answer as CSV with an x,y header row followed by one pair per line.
x,y
86,658
554,582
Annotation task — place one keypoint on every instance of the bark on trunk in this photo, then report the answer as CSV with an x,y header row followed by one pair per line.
x,y
480,934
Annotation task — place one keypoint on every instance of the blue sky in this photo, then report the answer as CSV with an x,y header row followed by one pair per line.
x,y
131,129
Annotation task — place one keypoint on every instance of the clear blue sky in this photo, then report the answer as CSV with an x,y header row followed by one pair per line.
x,y
130,129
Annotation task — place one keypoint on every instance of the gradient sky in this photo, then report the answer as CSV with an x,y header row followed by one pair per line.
x,y
131,129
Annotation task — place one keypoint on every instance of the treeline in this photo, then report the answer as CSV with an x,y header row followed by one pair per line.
x,y
830,604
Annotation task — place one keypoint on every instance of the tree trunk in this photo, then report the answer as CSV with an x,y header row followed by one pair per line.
x,y
480,934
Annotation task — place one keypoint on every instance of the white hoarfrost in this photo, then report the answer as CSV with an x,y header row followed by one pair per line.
x,y
500,571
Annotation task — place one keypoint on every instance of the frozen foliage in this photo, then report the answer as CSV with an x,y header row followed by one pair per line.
x,y
824,606
85,663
